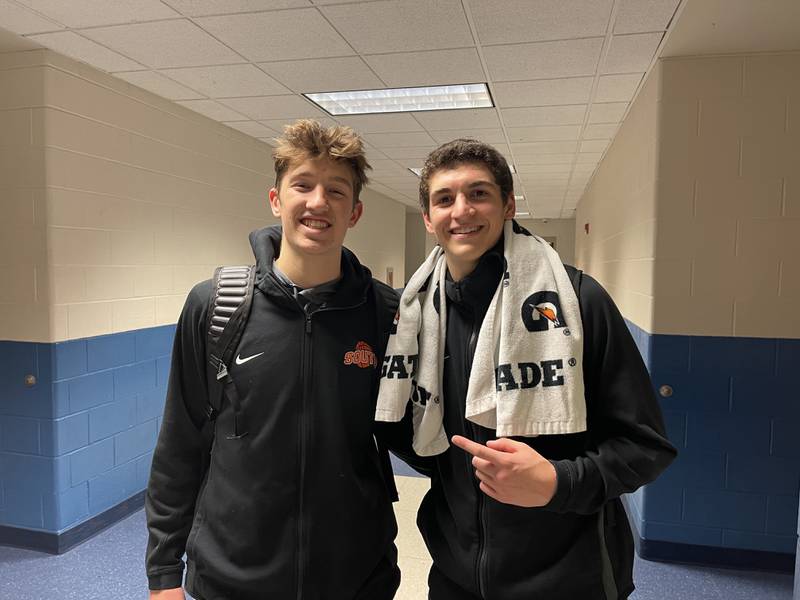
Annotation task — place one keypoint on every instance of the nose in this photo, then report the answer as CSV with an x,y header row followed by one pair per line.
x,y
317,200
462,207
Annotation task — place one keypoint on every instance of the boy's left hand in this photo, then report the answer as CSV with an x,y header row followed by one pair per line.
x,y
511,472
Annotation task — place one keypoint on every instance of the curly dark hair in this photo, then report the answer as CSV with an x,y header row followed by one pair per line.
x,y
465,151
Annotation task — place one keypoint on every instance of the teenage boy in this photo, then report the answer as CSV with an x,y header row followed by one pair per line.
x,y
529,370
289,500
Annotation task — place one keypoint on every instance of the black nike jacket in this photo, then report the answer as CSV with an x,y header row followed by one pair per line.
x,y
298,508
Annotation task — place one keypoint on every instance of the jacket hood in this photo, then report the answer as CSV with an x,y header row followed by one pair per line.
x,y
266,245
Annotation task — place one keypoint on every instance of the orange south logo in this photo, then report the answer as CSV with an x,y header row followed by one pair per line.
x,y
363,356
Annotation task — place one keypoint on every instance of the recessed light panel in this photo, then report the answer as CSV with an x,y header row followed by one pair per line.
x,y
442,97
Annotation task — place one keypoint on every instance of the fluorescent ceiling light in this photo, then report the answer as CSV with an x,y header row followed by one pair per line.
x,y
442,97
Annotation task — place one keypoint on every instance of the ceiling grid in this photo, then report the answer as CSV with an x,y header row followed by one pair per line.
x,y
562,73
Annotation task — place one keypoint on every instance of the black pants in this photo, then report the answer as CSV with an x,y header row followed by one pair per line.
x,y
383,581
442,588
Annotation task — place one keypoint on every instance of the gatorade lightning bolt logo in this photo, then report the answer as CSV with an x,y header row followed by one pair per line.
x,y
363,356
542,311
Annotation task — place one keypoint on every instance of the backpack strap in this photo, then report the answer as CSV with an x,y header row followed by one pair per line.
x,y
231,300
386,304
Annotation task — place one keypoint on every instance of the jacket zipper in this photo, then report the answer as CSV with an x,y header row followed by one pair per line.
x,y
303,434
480,567
304,373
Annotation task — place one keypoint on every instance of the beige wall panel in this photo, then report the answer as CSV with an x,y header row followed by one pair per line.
x,y
771,75
17,207
68,284
21,88
25,322
132,314
415,244
168,308
152,280
109,283
766,317
16,127
90,319
790,277
19,284
561,229
688,79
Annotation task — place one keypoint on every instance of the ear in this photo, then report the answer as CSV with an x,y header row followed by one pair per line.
x,y
427,220
358,210
274,202
511,207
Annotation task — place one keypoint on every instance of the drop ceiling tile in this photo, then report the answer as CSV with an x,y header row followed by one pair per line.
x,y
278,124
324,74
617,88
468,118
631,53
22,21
401,25
416,153
227,81
593,146
202,8
488,136
399,140
544,115
75,46
543,60
544,133
608,112
434,67
534,148
164,44
539,169
386,123
604,131
251,128
589,157
635,16
273,107
212,110
159,84
91,13
548,92
545,159
278,35
515,21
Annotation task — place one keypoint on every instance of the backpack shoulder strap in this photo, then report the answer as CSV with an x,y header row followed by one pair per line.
x,y
576,277
231,299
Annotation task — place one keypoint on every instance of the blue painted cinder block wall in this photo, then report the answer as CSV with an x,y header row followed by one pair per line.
x,y
80,440
734,416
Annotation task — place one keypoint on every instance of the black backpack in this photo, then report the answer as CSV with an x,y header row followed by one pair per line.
x,y
231,300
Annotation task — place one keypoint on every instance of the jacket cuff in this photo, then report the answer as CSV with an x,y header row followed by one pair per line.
x,y
564,484
165,581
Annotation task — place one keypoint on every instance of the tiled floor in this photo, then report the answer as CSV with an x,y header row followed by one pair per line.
x,y
110,566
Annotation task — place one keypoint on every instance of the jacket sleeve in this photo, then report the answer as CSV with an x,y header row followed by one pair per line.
x,y
180,457
627,444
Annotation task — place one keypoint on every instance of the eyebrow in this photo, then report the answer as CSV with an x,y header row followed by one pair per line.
x,y
474,184
334,178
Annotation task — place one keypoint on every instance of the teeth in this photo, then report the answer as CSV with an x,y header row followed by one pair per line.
x,y
314,224
465,229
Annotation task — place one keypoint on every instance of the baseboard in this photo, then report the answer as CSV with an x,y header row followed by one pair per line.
x,y
58,543
714,556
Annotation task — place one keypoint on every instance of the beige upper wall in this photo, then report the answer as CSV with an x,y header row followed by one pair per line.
x,y
116,201
563,230
694,209
729,196
620,207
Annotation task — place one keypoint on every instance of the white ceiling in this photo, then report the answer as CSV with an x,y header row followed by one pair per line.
x,y
562,72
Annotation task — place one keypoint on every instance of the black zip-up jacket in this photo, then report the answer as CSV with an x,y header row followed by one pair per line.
x,y
298,508
579,546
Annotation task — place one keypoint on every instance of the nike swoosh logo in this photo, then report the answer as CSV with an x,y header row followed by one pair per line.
x,y
241,361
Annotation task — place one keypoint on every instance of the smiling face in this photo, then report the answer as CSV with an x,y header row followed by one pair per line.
x,y
466,214
315,205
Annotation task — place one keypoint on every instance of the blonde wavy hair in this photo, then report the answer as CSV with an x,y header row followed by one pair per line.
x,y
307,139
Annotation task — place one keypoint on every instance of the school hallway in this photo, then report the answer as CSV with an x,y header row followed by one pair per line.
x,y
111,565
